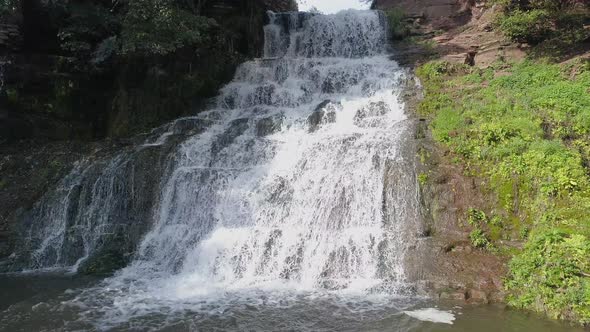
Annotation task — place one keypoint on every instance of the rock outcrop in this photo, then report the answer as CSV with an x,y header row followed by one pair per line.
x,y
441,13
459,31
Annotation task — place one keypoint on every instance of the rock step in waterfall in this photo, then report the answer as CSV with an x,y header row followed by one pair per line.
x,y
297,178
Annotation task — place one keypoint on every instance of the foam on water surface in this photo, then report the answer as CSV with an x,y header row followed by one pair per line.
x,y
432,315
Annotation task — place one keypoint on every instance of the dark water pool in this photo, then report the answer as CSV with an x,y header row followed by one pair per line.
x,y
51,303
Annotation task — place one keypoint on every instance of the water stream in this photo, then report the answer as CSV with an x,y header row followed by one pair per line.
x,y
289,205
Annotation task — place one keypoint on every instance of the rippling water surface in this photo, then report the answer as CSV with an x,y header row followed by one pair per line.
x,y
48,303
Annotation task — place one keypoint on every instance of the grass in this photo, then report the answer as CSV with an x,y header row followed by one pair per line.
x,y
526,133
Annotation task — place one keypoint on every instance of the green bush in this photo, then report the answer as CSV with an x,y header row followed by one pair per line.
x,y
534,21
571,26
137,28
551,276
86,26
423,179
160,27
479,239
526,26
476,217
438,69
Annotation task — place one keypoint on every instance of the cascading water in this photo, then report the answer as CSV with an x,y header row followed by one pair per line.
x,y
288,185
299,180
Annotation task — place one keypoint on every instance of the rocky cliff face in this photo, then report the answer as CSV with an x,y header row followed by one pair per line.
x,y
428,9
459,31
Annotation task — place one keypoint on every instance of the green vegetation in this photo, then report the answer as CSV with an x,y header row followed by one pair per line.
x,y
86,26
524,130
530,26
476,217
423,178
479,238
535,21
398,27
162,27
8,7
551,276
138,28
123,67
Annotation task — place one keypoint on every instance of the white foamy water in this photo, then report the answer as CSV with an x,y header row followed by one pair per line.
x,y
297,182
432,315
287,187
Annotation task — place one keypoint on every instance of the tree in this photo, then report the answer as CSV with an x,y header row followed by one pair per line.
x,y
161,27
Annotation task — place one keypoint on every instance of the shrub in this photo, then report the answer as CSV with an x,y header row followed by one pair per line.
x,y
557,264
526,26
476,217
86,26
479,239
437,69
570,24
534,21
160,27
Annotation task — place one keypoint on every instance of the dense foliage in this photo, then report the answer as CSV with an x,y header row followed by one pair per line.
x,y
8,7
525,130
137,28
85,27
115,68
162,27
535,21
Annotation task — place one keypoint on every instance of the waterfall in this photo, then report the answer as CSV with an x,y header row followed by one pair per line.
x,y
298,178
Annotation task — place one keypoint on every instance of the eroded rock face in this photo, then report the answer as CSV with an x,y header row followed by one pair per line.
x,y
460,30
427,9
